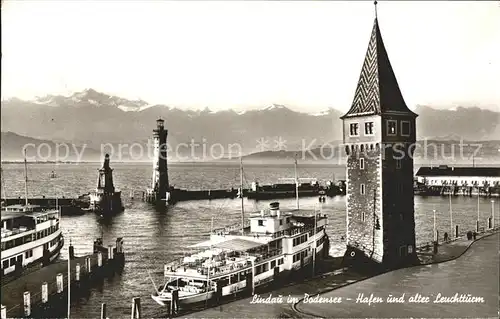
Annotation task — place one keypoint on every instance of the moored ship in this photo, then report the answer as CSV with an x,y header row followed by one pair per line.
x,y
283,190
269,245
30,234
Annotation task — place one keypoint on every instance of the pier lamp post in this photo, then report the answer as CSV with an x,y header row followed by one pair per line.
x,y
434,234
477,221
492,213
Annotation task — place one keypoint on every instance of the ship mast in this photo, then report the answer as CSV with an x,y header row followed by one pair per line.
x,y
210,263
296,183
241,195
25,179
3,184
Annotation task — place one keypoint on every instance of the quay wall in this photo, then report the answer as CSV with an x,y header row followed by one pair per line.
x,y
48,293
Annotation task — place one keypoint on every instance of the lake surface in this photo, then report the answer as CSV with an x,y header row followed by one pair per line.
x,y
154,238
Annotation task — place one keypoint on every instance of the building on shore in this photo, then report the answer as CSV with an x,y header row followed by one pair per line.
x,y
159,193
459,180
378,130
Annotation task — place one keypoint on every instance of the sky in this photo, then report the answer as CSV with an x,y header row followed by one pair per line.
x,y
250,54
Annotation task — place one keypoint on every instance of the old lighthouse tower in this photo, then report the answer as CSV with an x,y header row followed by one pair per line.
x,y
379,136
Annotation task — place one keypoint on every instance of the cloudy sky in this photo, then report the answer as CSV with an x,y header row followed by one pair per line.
x,y
240,55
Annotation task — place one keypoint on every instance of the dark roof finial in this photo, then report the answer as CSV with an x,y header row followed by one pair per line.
x,y
375,3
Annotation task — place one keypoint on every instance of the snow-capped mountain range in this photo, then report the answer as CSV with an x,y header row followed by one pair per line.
x,y
95,118
92,97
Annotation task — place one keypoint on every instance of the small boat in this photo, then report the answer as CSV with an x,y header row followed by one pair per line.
x,y
191,291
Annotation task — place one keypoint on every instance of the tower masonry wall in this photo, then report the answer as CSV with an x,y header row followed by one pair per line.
x,y
363,210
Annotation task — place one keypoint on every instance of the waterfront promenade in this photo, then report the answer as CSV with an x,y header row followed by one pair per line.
x,y
474,272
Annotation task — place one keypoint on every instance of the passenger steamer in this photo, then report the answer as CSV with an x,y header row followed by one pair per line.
x,y
241,258
30,234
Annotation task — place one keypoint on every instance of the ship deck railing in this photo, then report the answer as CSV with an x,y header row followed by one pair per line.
x,y
294,230
231,228
15,231
235,229
222,267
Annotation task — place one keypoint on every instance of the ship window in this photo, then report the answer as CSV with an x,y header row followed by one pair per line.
x,y
18,242
29,254
362,189
234,278
5,264
405,128
391,127
353,129
243,275
281,222
288,220
261,222
361,163
12,261
369,128
273,263
280,261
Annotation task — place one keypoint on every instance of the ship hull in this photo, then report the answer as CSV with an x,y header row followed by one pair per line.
x,y
164,300
38,255
280,194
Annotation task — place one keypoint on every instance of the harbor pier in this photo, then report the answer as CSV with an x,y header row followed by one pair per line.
x,y
458,181
68,206
43,293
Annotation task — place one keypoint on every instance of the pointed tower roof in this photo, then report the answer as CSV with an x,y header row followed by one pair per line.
x,y
378,90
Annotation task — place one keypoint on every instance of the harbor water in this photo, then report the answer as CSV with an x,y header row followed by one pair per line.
x,y
153,238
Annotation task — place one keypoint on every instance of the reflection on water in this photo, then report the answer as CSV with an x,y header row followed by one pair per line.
x,y
153,238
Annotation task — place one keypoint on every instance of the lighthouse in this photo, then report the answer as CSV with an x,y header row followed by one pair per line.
x,y
105,200
159,194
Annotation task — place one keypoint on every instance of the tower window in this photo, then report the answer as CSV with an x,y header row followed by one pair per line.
x,y
391,127
353,129
361,163
405,128
369,128
362,189
398,163
363,216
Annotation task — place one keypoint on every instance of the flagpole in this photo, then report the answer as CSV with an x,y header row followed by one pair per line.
x,y
296,183
69,283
